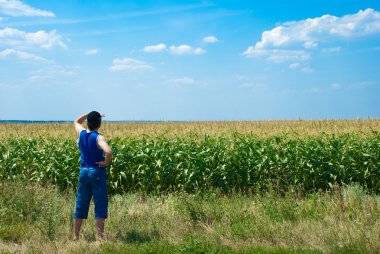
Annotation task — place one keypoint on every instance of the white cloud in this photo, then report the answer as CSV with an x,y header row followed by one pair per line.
x,y
277,55
210,39
124,64
294,66
332,50
176,50
91,52
307,33
43,39
22,55
186,50
155,48
184,80
311,30
17,8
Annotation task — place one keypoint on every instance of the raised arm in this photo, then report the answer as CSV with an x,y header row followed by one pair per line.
x,y
102,142
78,123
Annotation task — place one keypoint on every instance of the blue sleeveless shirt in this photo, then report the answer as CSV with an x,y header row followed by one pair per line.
x,y
89,149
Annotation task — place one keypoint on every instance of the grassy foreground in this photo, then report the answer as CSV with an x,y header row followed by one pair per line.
x,y
37,219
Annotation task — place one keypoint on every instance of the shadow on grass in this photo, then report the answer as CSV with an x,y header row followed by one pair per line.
x,y
135,236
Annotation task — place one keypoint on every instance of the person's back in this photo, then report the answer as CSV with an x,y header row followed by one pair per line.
x,y
89,148
92,181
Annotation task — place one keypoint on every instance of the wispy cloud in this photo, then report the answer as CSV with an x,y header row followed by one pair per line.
x,y
6,86
25,56
303,67
254,86
242,77
310,44
52,72
360,85
316,90
277,55
186,50
184,80
335,86
350,86
332,50
17,8
176,50
307,69
125,64
91,52
115,16
19,38
294,66
210,39
338,87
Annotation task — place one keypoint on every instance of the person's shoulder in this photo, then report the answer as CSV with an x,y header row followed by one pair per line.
x,y
101,137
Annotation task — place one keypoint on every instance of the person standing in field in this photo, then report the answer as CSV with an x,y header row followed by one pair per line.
x,y
92,181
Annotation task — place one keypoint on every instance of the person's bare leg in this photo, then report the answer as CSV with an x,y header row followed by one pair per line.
x,y
100,228
77,226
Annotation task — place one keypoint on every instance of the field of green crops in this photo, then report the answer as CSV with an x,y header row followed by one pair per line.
x,y
195,163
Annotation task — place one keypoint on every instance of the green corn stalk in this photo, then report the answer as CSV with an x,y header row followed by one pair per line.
x,y
238,162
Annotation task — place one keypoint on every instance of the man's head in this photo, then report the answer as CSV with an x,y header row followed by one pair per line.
x,y
94,120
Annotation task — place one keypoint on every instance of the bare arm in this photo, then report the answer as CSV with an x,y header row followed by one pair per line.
x,y
102,142
78,123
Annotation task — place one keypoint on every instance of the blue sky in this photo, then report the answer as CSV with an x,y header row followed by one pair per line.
x,y
190,60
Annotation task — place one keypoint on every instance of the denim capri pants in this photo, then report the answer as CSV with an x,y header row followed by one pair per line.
x,y
92,182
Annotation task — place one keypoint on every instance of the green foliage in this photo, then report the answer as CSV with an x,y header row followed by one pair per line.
x,y
242,163
194,246
37,219
28,206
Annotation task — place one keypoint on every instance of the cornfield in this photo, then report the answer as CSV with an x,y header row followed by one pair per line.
x,y
183,129
195,162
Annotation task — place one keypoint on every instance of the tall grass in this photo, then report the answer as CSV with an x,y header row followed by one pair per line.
x,y
37,219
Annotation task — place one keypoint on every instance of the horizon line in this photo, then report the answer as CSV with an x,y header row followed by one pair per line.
x,y
158,121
